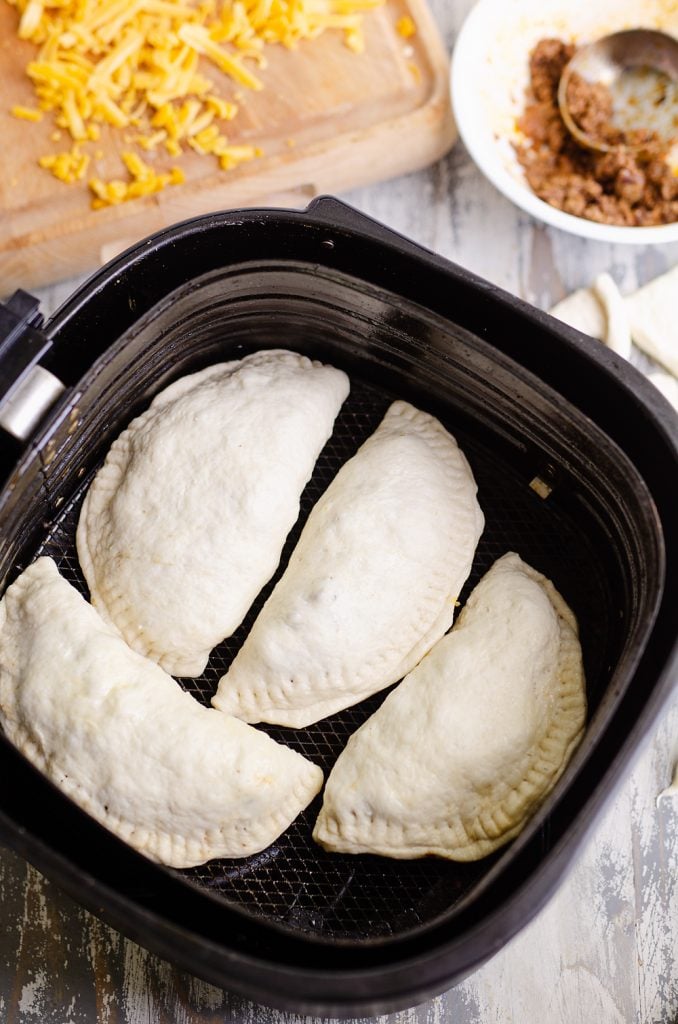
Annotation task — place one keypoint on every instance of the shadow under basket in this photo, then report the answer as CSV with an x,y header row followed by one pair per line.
x,y
575,457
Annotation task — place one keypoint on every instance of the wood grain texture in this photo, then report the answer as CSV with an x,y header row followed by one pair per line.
x,y
327,119
605,949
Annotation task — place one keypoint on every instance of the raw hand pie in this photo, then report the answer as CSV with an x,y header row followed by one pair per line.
x,y
179,782
459,756
185,522
372,583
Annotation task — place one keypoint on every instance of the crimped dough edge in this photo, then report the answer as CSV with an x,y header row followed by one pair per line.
x,y
454,839
111,602
171,849
230,699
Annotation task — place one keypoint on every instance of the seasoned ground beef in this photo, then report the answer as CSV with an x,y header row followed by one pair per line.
x,y
620,187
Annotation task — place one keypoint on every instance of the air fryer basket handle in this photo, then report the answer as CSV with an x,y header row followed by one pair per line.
x,y
335,213
27,390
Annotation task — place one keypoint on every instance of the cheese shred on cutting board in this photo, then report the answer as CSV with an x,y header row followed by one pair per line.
x,y
139,66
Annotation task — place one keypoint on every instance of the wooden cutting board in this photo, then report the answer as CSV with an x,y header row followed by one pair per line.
x,y
327,120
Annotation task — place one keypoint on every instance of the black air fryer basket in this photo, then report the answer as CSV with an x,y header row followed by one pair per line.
x,y
575,456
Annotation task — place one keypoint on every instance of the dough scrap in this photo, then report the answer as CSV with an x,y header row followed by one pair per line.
x,y
372,583
600,311
186,520
179,782
648,316
584,311
461,754
668,386
654,324
618,333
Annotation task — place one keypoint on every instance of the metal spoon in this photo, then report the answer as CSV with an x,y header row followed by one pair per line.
x,y
640,69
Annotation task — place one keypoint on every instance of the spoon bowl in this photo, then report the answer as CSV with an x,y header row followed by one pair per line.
x,y
639,69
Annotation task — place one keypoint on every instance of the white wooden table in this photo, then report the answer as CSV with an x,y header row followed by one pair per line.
x,y
605,949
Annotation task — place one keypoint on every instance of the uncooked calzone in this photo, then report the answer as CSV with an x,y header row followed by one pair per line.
x,y
180,782
186,520
372,582
460,755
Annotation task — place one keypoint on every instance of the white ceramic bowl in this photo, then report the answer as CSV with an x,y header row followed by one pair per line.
x,y
490,73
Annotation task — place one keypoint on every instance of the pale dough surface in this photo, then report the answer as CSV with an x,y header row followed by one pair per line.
x,y
618,333
185,521
372,583
584,311
462,752
600,311
668,386
653,313
177,781
648,316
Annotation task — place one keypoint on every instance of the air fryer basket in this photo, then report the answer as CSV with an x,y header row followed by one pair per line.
x,y
303,921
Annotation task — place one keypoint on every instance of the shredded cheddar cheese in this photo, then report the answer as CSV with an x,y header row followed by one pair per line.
x,y
406,27
144,182
68,167
26,113
139,66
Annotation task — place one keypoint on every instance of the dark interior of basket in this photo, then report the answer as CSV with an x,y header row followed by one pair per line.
x,y
584,534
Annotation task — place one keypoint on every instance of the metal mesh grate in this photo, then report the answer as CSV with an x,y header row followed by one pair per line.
x,y
338,895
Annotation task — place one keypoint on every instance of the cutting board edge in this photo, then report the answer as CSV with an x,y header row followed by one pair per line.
x,y
75,250
349,160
